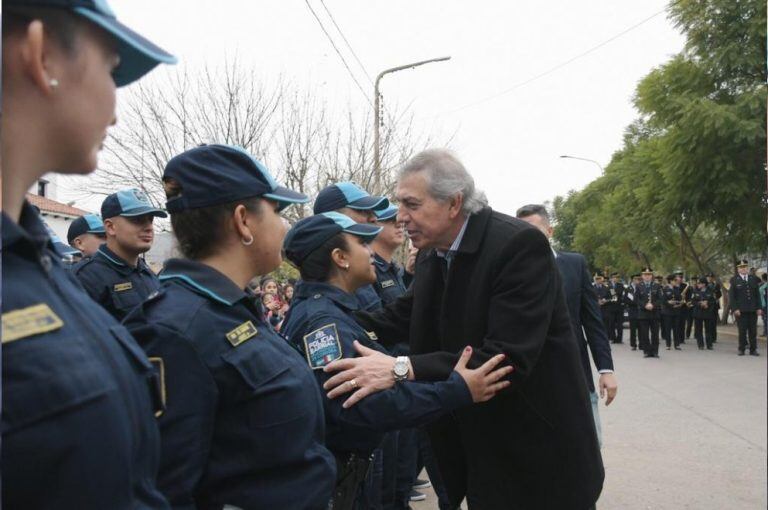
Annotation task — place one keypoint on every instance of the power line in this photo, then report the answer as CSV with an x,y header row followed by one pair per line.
x,y
349,46
554,68
330,39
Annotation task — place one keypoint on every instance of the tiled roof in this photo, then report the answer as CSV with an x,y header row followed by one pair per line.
x,y
49,206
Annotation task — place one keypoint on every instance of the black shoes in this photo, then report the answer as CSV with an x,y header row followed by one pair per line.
x,y
678,348
753,353
741,353
634,347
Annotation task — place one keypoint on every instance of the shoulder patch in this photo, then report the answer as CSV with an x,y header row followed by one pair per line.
x,y
29,321
242,333
322,346
388,283
121,287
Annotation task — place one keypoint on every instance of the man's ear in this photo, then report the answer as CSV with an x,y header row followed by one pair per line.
x,y
455,205
109,227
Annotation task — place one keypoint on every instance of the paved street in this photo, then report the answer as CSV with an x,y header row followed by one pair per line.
x,y
687,431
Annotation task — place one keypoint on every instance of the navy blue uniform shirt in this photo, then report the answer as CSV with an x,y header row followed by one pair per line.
x,y
389,280
368,299
78,421
243,423
115,284
321,326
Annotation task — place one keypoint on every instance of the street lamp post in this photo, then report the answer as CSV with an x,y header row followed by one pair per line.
x,y
585,159
377,115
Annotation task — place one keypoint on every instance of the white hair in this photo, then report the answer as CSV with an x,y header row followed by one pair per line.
x,y
446,178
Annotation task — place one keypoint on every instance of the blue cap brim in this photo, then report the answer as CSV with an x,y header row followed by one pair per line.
x,y
285,197
364,230
370,203
138,55
159,213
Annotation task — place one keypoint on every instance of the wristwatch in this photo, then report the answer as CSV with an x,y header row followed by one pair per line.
x,y
401,368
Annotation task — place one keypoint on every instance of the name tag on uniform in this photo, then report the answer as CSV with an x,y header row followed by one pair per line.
x,y
121,287
387,284
242,333
29,321
322,346
371,335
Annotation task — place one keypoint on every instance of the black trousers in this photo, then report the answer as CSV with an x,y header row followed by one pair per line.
x,y
633,332
618,325
608,323
704,331
648,332
747,323
670,329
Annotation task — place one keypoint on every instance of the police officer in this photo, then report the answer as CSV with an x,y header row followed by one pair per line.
x,y
78,426
704,313
670,313
717,290
629,302
693,283
243,423
86,233
744,297
390,283
603,299
334,259
351,200
116,277
616,309
648,301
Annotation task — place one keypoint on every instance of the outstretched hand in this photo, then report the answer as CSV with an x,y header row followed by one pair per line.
x,y
483,382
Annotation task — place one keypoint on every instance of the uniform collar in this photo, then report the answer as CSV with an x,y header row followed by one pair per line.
x,y
204,280
30,231
381,263
313,290
119,263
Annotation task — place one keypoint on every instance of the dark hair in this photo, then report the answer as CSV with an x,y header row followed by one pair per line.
x,y
60,24
265,279
201,232
531,209
318,267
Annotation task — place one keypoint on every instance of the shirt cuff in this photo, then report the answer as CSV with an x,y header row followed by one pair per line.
x,y
605,371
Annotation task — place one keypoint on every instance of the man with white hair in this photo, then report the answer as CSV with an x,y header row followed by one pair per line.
x,y
488,281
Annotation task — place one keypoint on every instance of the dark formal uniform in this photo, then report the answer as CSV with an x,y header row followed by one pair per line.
x,y
603,299
630,294
390,283
322,327
79,395
689,306
744,295
368,299
686,294
670,315
704,316
615,310
115,284
717,290
648,320
244,422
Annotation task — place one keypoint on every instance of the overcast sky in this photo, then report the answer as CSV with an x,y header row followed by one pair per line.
x,y
511,143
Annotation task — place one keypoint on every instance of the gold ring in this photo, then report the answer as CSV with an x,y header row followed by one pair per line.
x,y
352,383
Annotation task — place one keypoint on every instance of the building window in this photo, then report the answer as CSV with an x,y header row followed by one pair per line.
x,y
42,186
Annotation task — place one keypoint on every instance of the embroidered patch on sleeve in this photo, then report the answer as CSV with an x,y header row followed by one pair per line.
x,y
322,346
29,321
242,333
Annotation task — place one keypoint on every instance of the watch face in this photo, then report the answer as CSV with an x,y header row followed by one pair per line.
x,y
401,369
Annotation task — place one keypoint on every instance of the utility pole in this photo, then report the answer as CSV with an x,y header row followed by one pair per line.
x,y
377,117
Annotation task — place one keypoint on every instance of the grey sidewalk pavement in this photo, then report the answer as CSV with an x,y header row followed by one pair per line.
x,y
686,431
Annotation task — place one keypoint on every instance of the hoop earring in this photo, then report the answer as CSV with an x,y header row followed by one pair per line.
x,y
248,242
